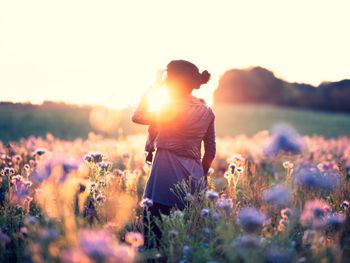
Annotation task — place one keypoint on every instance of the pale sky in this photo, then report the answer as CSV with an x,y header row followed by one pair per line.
x,y
107,52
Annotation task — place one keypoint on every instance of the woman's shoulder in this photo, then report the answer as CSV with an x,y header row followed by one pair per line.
x,y
198,100
204,104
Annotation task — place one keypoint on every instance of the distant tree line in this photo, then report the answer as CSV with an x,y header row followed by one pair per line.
x,y
259,85
66,121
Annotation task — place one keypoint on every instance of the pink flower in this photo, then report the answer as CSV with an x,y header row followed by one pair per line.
x,y
315,214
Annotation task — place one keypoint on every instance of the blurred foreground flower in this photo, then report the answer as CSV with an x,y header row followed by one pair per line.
x,y
58,166
309,176
247,241
212,195
344,205
277,195
4,239
225,204
39,152
20,192
146,203
315,214
101,246
335,221
205,212
284,139
251,219
93,157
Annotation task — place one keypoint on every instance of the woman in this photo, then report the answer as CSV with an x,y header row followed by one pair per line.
x,y
180,128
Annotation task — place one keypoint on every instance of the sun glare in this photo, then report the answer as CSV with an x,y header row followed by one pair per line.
x,y
157,99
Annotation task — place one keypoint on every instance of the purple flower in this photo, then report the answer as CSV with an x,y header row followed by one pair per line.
x,y
204,212
100,198
186,252
89,211
284,139
52,167
20,191
103,165
95,243
212,195
30,220
146,203
239,169
9,171
69,166
330,181
4,239
247,241
101,246
225,204
335,221
48,234
232,167
88,158
39,152
344,205
216,216
282,224
96,157
251,219
309,176
277,195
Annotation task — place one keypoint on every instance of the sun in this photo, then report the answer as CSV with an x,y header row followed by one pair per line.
x,y
158,99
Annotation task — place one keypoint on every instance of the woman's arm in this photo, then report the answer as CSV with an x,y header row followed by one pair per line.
x,y
140,115
209,147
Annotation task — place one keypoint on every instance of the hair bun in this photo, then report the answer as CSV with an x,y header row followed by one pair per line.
x,y
204,77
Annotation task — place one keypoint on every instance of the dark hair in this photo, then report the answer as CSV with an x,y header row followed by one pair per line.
x,y
189,70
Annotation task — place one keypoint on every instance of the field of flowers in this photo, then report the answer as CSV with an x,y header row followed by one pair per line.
x,y
272,197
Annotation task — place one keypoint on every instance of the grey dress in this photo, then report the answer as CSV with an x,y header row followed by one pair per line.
x,y
178,147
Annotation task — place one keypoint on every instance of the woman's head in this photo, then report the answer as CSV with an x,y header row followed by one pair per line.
x,y
183,76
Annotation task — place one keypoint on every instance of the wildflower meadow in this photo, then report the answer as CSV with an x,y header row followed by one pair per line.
x,y
276,196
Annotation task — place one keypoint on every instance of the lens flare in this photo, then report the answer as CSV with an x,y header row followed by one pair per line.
x,y
158,98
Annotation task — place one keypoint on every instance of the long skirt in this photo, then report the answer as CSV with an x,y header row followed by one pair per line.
x,y
168,170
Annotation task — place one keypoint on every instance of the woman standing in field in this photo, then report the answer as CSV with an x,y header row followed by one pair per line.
x,y
177,131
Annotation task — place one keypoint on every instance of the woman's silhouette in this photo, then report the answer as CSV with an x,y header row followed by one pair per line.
x,y
177,132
